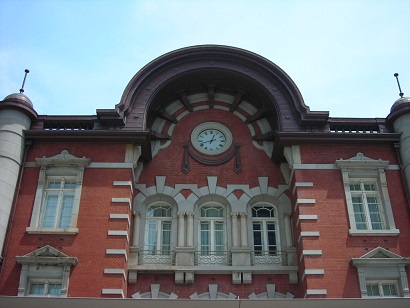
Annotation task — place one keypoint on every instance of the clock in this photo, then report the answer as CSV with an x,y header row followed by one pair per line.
x,y
211,138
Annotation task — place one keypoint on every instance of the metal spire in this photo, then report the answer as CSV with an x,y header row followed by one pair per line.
x,y
398,83
24,81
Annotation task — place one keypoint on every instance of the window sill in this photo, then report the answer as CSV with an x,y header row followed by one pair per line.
x,y
32,230
387,232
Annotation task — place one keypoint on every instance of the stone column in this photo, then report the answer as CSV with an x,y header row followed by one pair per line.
x,y
181,229
190,229
136,230
235,241
288,230
244,230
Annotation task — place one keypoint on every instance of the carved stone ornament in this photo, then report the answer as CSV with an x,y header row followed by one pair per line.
x,y
237,168
63,159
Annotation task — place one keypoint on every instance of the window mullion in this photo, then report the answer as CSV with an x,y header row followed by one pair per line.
x,y
367,211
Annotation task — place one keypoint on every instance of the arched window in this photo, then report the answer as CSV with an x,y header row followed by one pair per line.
x,y
157,239
265,230
212,235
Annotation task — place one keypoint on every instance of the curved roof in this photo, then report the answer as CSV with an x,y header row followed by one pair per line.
x,y
215,69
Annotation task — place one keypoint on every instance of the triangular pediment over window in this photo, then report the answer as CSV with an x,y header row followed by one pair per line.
x,y
47,255
380,256
362,162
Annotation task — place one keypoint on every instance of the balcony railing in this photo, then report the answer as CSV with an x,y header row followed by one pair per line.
x,y
212,258
269,257
165,257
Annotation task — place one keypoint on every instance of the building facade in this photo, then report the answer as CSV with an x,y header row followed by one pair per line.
x,y
211,179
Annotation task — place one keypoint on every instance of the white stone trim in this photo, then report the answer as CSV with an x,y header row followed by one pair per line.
x,y
304,202
316,292
121,216
111,165
117,252
317,271
122,200
301,184
312,252
308,234
124,183
119,233
113,292
305,217
116,271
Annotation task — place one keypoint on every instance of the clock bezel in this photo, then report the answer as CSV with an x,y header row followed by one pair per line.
x,y
211,125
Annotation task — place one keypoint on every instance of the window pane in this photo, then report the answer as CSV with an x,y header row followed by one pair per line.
x,y
54,184
263,211
374,213
166,237
373,289
205,237
359,213
50,211
151,236
69,185
159,211
54,289
257,237
37,288
389,290
66,211
214,211
271,235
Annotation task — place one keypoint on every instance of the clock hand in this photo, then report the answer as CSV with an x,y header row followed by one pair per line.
x,y
213,138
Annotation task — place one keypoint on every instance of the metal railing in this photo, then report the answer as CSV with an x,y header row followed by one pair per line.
x,y
269,257
165,257
212,258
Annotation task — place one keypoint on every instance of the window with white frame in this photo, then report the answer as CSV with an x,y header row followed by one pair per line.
x,y
212,237
58,194
265,230
45,272
367,198
368,212
45,287
57,208
158,223
382,288
212,230
382,273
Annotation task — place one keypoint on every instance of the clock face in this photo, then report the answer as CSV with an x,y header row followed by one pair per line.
x,y
211,138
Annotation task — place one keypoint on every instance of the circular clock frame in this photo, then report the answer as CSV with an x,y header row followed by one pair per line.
x,y
211,126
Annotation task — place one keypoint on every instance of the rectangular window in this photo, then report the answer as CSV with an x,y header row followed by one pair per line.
x,y
264,238
58,204
366,206
158,237
382,289
45,288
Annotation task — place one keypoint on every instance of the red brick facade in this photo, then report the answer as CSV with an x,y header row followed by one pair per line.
x,y
312,184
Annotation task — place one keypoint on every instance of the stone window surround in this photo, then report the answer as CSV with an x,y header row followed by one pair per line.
x,y
45,264
382,265
62,165
364,168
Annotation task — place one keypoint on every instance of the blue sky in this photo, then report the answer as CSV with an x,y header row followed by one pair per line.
x,y
82,53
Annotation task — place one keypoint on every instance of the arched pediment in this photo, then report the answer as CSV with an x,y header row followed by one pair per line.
x,y
214,69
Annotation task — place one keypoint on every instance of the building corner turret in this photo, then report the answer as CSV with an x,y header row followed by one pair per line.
x,y
399,119
16,115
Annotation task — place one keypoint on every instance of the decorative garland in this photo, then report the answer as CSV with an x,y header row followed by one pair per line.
x,y
237,168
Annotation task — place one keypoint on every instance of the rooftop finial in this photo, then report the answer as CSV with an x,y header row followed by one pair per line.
x,y
24,81
398,83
